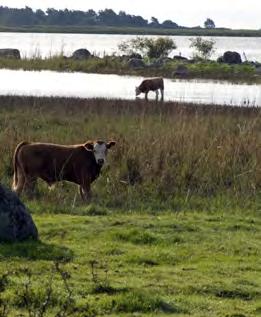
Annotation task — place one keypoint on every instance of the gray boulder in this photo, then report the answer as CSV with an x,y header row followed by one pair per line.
x,y
16,224
135,55
181,71
160,62
180,58
10,53
81,54
136,63
125,58
230,57
258,70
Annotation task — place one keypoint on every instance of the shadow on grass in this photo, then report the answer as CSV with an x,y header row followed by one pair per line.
x,y
229,292
236,293
107,289
35,250
141,302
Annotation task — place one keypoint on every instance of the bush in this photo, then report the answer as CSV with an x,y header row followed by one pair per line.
x,y
204,48
148,47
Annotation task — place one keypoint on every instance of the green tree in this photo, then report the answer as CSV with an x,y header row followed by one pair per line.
x,y
204,48
169,24
209,24
148,47
154,22
108,17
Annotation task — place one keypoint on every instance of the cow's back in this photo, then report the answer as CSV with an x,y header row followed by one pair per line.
x,y
53,162
151,84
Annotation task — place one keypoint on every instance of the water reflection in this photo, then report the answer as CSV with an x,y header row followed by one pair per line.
x,y
49,83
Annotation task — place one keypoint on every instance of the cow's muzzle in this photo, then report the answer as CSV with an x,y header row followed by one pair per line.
x,y
100,162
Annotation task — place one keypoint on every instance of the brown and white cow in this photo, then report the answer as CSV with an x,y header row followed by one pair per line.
x,y
80,164
151,84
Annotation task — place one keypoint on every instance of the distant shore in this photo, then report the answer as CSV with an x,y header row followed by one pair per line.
x,y
133,30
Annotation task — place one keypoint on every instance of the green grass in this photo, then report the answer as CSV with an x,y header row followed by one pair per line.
x,y
117,65
132,30
174,224
185,264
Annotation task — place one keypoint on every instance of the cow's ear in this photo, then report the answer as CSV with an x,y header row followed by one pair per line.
x,y
110,144
89,146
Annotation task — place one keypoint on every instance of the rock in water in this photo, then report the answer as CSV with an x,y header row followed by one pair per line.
x,y
10,53
181,71
16,224
136,63
81,54
230,58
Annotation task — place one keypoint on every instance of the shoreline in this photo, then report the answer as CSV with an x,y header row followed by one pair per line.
x,y
188,107
209,70
134,31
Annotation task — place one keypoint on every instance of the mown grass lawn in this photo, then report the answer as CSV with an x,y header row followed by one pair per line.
x,y
188,263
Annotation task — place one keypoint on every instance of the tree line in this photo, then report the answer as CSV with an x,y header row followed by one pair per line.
x,y
27,16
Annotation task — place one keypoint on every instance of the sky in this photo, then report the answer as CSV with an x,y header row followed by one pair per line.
x,y
225,13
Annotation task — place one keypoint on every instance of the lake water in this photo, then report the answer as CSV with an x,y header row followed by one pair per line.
x,y
46,44
49,83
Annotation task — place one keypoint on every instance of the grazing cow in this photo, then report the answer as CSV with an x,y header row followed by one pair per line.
x,y
79,164
153,84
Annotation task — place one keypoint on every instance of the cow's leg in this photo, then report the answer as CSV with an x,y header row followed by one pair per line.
x,y
157,94
19,185
85,191
146,95
162,94
30,186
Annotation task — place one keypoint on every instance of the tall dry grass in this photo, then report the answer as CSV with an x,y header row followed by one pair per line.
x,y
163,151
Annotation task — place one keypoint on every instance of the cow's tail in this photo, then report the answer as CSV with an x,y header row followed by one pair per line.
x,y
15,163
162,83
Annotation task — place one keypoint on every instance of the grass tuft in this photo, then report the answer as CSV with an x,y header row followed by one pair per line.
x,y
137,302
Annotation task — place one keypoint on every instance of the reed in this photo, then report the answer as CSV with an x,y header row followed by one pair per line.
x,y
167,154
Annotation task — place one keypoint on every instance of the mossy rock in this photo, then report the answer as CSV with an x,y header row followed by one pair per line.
x,y
16,224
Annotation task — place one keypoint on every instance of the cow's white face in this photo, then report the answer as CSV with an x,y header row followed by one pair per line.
x,y
137,91
99,150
